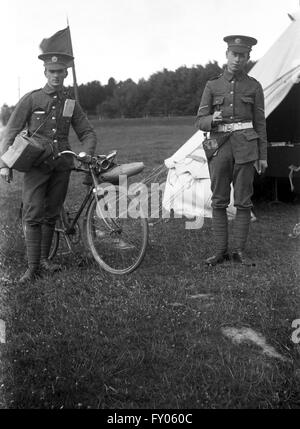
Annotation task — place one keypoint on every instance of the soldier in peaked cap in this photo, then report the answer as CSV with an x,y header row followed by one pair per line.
x,y
232,111
45,114
241,44
56,60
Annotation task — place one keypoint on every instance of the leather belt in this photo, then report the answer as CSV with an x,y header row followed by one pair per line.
x,y
225,128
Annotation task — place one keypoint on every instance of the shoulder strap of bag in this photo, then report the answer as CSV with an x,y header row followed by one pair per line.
x,y
44,121
224,139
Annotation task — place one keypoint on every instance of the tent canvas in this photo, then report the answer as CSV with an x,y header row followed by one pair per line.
x,y
279,68
188,187
278,71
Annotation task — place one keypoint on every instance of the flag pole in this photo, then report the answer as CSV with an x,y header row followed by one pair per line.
x,y
76,93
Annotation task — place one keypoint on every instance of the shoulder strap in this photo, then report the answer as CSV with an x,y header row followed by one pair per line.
x,y
44,121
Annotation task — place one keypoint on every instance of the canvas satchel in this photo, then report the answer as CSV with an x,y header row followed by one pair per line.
x,y
25,151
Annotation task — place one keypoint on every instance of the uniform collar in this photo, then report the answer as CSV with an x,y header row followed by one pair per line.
x,y
48,90
238,76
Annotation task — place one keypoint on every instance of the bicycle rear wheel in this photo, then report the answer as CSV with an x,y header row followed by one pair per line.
x,y
118,241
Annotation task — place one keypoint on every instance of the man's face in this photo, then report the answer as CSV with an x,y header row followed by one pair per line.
x,y
56,77
236,61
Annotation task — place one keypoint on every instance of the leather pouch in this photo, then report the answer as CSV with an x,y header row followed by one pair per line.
x,y
212,145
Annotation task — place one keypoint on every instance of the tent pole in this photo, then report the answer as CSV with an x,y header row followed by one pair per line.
x,y
275,187
276,190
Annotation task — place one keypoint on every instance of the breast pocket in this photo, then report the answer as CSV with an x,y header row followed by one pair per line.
x,y
247,107
218,101
37,119
248,100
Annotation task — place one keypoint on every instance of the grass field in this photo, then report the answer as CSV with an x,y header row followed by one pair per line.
x,y
155,338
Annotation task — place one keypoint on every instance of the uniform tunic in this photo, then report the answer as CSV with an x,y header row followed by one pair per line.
x,y
45,186
240,98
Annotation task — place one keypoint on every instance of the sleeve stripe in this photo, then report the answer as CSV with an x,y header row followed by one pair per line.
x,y
203,107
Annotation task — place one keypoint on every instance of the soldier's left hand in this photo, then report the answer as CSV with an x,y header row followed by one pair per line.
x,y
262,166
6,174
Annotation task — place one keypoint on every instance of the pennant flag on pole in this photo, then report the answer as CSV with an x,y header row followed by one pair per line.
x,y
61,42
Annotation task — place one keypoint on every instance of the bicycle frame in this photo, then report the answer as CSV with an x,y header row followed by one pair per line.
x,y
127,244
70,228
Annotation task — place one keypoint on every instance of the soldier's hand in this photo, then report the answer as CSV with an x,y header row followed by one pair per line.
x,y
6,174
217,117
262,166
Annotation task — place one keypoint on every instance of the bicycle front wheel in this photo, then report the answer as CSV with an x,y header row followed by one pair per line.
x,y
118,241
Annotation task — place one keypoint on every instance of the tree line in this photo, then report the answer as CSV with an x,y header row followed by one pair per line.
x,y
165,93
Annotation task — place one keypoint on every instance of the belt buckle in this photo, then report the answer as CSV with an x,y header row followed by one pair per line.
x,y
230,127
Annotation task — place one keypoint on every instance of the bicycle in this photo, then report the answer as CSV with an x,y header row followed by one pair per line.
x,y
117,241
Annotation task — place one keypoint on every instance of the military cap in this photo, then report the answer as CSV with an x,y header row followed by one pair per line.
x,y
240,43
56,60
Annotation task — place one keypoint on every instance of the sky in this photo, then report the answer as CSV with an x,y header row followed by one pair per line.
x,y
130,38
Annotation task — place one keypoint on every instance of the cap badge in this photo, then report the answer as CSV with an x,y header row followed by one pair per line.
x,y
237,41
54,59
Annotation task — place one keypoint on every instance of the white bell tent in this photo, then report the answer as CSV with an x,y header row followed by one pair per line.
x,y
278,71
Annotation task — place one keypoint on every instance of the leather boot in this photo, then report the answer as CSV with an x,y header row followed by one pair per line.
x,y
220,231
239,256
217,259
33,249
240,234
30,275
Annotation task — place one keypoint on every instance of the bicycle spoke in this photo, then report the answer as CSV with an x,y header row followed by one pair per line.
x,y
118,243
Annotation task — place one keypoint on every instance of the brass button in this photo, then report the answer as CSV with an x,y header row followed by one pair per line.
x,y
53,117
54,130
53,107
54,141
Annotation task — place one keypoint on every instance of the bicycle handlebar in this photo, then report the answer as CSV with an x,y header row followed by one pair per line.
x,y
102,161
65,152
